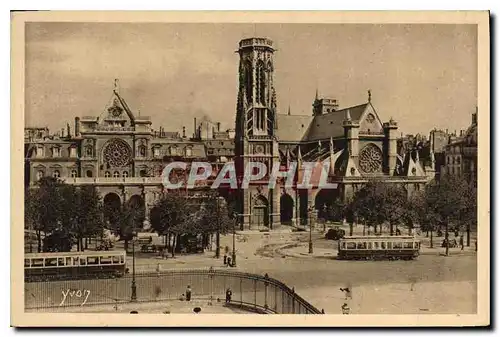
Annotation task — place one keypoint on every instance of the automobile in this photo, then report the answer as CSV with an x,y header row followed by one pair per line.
x,y
335,234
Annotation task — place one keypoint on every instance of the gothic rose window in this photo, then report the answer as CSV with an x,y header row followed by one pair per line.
x,y
370,159
117,153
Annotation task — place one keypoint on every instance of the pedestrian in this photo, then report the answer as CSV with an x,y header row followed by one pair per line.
x,y
225,259
345,309
229,261
158,268
229,293
461,242
476,244
188,293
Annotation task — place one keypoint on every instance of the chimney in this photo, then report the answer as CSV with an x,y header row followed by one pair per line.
x,y
62,132
218,126
213,132
474,118
183,132
195,129
77,126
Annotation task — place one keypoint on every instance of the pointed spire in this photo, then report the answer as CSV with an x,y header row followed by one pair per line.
x,y
287,157
289,110
299,156
417,157
317,95
369,95
331,146
116,88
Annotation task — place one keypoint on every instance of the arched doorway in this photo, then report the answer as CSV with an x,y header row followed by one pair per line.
x,y
328,205
261,211
286,209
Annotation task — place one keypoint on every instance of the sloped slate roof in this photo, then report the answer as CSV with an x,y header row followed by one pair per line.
x,y
330,124
292,128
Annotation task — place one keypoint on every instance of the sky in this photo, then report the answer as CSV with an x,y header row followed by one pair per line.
x,y
422,75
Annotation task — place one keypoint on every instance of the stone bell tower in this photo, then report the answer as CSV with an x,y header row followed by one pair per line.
x,y
255,130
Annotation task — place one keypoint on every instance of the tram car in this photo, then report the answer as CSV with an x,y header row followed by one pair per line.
x,y
378,247
73,265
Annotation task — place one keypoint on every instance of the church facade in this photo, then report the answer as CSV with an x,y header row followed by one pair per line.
x,y
123,156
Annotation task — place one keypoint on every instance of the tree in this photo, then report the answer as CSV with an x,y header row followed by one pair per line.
x,y
125,220
447,201
395,205
43,207
367,204
82,214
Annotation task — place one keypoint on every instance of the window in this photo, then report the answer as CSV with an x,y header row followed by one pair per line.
x,y
72,152
107,174
361,245
351,245
116,259
26,262
60,261
125,174
56,174
408,245
50,262
89,173
189,152
74,174
173,151
92,260
56,152
383,245
370,245
68,261
156,152
105,260
397,245
116,174
39,175
143,173
458,160
37,263
39,151
376,245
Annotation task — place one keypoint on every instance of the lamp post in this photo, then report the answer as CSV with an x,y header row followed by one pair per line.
x,y
236,216
217,235
133,297
310,231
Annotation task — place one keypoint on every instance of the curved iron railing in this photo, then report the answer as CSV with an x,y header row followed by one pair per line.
x,y
250,291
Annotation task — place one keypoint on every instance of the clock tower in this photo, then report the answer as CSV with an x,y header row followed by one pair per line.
x,y
255,131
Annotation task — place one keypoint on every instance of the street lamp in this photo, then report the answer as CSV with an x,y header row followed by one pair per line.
x,y
236,216
310,231
133,297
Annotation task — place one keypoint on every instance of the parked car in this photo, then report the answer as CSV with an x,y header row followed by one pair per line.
x,y
335,234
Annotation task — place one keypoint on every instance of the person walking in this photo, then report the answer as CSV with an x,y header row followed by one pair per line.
x,y
229,293
188,293
461,240
225,259
229,261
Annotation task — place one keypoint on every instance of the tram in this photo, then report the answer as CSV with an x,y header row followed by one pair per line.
x,y
378,247
73,265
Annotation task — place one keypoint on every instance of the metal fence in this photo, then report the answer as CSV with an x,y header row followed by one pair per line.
x,y
249,290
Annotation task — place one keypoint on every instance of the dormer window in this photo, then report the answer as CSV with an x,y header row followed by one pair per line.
x,y
116,174
189,151
74,174
72,152
56,152
125,174
56,174
107,174
173,151
40,151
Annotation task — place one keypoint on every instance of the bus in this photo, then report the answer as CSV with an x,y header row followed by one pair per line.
x,y
73,265
378,247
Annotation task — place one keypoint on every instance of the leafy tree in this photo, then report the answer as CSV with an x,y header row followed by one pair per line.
x,y
367,204
448,201
126,220
44,207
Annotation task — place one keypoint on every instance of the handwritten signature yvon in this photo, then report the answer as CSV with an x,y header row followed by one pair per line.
x,y
75,293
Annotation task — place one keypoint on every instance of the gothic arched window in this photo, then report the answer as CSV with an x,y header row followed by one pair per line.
x,y
370,159
142,151
125,174
74,174
56,174
107,174
261,83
